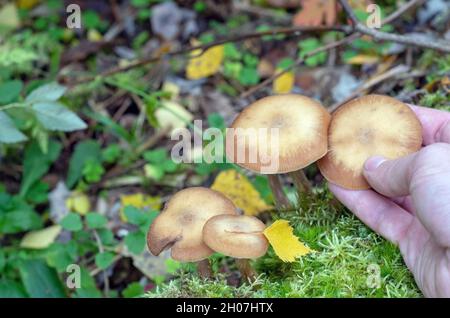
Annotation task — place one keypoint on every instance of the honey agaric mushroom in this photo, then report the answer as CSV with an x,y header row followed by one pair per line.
x,y
238,236
180,225
302,140
364,127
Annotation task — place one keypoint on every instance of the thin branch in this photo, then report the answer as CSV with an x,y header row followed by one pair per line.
x,y
413,40
404,8
332,45
395,71
203,47
298,62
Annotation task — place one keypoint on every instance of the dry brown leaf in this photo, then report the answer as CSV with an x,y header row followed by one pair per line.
x,y
316,12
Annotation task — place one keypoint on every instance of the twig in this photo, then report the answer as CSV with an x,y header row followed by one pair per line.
x,y
204,47
101,250
435,44
331,45
298,62
399,69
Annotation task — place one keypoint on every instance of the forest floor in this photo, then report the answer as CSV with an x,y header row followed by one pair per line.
x,y
86,116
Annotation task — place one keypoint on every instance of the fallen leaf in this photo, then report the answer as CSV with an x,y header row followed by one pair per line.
x,y
285,244
27,4
284,83
316,12
238,189
139,201
94,36
265,68
78,202
9,18
42,238
171,88
172,116
363,59
206,64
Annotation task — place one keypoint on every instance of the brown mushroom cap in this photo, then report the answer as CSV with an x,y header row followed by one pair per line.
x,y
238,236
372,125
303,126
180,224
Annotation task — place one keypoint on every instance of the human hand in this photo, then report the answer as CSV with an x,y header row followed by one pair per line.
x,y
411,205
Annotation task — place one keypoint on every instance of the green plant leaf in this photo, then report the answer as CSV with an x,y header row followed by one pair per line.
x,y
11,289
72,222
40,280
36,163
93,171
88,286
2,261
48,92
103,260
133,290
215,120
84,151
135,242
8,131
95,220
248,76
309,45
10,91
55,116
17,216
61,255
134,215
155,156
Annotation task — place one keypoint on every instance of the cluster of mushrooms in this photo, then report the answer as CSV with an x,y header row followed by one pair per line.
x,y
198,221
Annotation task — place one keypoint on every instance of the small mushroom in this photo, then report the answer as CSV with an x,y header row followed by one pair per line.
x,y
364,127
238,236
180,225
302,124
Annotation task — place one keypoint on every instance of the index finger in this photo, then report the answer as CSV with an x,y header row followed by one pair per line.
x,y
435,124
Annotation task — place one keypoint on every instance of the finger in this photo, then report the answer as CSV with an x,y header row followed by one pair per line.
x,y
379,213
406,203
435,124
391,178
426,177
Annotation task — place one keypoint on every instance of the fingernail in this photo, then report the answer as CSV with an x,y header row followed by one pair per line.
x,y
373,162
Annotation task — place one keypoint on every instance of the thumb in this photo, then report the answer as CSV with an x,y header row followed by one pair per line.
x,y
391,178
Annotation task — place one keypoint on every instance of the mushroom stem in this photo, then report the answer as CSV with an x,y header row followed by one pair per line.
x,y
246,270
301,182
204,269
281,201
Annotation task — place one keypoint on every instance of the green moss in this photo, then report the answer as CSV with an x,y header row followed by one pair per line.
x,y
346,256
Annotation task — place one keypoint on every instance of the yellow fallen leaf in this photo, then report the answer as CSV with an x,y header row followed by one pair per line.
x,y
27,4
172,116
206,64
285,244
172,88
94,36
42,238
140,201
363,59
284,83
238,189
78,202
